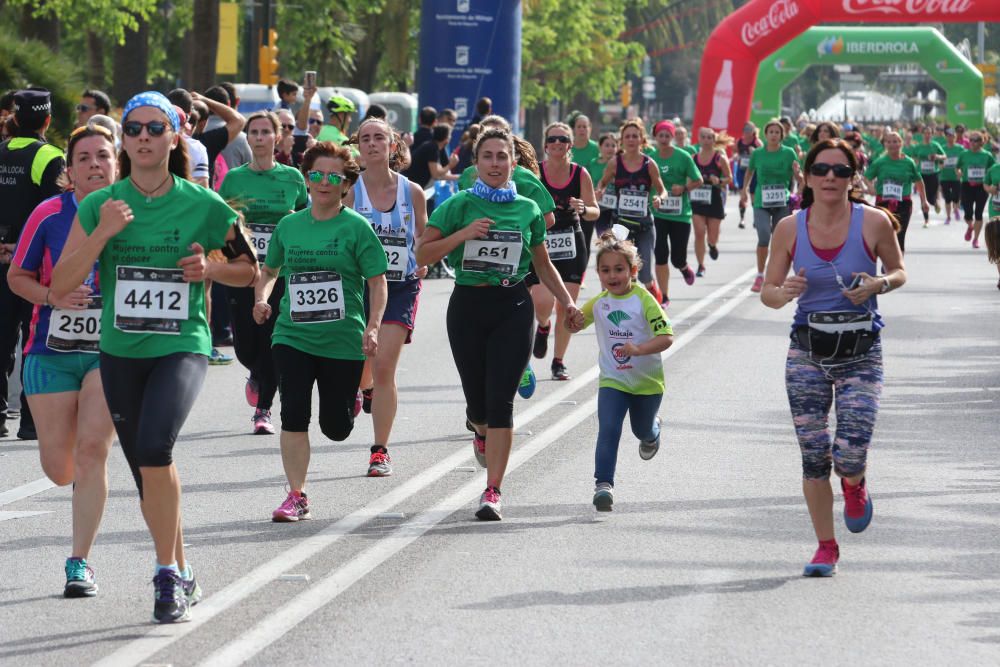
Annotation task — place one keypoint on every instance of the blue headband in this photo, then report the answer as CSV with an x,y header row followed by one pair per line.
x,y
151,98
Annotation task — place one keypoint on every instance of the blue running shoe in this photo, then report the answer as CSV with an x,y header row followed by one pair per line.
x,y
171,603
857,506
527,387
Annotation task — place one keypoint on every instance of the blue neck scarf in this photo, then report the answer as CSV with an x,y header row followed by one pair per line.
x,y
502,195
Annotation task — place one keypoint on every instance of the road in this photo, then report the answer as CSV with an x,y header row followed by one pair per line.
x,y
699,563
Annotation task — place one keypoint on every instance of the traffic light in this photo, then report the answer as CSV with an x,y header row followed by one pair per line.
x,y
989,79
626,94
268,59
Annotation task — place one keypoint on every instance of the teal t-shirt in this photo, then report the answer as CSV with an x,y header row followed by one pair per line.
x,y
586,155
922,154
774,175
974,165
951,154
993,178
148,310
677,169
894,178
527,184
504,257
264,198
325,264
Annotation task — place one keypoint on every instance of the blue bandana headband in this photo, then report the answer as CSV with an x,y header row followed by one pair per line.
x,y
502,195
151,98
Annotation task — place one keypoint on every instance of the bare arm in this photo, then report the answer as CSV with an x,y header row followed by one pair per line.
x,y
81,251
378,294
433,247
262,292
586,205
230,116
780,289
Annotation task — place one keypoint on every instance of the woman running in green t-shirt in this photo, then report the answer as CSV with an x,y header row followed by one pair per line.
x,y
893,177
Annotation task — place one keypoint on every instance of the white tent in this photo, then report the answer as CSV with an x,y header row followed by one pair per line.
x,y
992,109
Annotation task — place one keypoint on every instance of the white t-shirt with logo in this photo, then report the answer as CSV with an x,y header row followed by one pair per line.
x,y
634,317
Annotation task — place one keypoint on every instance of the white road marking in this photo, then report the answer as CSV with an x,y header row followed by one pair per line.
x,y
138,650
25,491
7,516
271,628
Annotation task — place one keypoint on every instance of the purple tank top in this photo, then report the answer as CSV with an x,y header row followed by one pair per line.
x,y
823,292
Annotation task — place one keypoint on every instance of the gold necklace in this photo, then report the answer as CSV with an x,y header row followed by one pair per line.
x,y
149,194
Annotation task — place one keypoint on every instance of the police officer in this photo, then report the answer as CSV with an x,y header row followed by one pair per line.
x,y
29,169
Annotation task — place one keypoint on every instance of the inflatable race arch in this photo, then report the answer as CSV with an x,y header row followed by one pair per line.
x,y
829,45
746,37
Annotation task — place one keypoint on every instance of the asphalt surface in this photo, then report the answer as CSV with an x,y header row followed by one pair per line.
x,y
700,562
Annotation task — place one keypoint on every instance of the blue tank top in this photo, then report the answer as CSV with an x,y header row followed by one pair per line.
x,y
394,228
823,292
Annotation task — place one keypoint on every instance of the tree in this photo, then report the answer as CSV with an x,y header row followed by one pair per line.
x,y
204,43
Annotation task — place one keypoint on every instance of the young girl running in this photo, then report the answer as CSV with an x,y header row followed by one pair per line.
x,y
632,331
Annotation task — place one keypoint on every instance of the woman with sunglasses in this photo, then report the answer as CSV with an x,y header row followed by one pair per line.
x,y
325,254
639,189
972,167
774,166
831,248
61,377
708,201
567,243
893,177
264,192
395,208
150,232
491,235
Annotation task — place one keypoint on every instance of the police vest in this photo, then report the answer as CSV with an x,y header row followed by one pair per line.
x,y
26,180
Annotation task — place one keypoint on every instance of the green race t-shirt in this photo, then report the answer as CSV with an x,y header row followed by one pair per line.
x,y
922,153
774,175
584,156
675,170
504,257
951,153
974,165
895,177
690,149
264,198
331,133
527,185
148,309
325,264
993,178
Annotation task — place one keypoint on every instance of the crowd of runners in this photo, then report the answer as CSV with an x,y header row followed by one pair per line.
x,y
153,239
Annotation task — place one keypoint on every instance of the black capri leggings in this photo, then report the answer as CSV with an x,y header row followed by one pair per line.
x,y
672,242
952,191
974,198
931,188
252,341
491,332
337,381
903,210
150,400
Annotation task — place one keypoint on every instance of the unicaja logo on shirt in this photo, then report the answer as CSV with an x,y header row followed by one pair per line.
x,y
618,316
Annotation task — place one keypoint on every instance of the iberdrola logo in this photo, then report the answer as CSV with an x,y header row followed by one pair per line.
x,y
618,316
831,46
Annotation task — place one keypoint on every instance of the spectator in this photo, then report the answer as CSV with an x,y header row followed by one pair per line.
x,y
484,107
92,102
447,117
238,152
428,116
376,111
426,165
288,92
285,142
6,105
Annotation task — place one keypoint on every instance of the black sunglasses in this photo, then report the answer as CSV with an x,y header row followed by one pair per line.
x,y
839,170
288,127
560,139
133,128
83,108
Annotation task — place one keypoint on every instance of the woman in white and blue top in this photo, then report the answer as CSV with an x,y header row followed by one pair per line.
x,y
397,211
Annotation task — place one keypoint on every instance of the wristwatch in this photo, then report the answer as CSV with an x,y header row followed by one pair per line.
x,y
885,285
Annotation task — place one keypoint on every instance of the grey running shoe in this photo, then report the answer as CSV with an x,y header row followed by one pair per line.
x,y
604,496
79,579
648,448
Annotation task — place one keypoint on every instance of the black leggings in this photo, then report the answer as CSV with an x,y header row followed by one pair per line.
x,y
672,242
903,210
150,400
337,381
974,198
491,330
931,188
252,341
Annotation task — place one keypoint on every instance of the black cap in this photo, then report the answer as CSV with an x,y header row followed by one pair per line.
x,y
32,107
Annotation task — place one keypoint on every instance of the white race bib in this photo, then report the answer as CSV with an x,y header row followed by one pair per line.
x,y
499,251
745,162
151,300
671,204
927,166
774,196
702,195
633,203
892,190
976,173
951,162
75,330
317,296
609,199
396,255
561,244
260,238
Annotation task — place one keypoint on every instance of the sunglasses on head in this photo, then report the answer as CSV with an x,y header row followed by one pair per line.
x,y
839,170
133,128
333,178
557,140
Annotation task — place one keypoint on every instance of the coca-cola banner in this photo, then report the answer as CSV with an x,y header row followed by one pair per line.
x,y
737,46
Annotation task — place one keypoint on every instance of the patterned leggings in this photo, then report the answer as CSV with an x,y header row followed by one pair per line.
x,y
857,387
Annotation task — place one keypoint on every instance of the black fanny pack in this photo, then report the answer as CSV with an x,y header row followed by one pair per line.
x,y
840,334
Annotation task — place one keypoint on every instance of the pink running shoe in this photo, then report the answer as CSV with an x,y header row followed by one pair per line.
x,y
262,422
968,233
295,508
858,508
489,505
758,282
688,275
975,243
479,449
824,563
252,391
379,465
358,403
